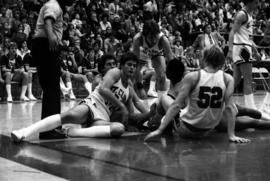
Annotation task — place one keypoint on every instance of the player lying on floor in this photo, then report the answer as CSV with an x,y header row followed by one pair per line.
x,y
209,95
260,120
113,94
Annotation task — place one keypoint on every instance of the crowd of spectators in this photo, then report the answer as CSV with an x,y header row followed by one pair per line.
x,y
95,27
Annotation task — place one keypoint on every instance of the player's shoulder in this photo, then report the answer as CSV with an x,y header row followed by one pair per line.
x,y
192,76
227,78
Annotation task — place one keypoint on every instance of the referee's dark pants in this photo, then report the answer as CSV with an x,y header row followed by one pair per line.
x,y
48,69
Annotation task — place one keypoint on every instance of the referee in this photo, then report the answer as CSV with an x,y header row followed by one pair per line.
x,y
45,49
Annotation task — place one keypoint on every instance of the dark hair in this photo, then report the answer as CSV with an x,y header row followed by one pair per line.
x,y
267,12
205,26
104,15
64,3
175,70
214,56
102,61
127,57
150,27
247,1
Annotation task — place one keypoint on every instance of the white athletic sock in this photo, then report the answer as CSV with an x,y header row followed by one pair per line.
x,y
94,132
249,101
8,89
43,125
63,87
23,91
69,85
152,86
265,117
88,87
266,103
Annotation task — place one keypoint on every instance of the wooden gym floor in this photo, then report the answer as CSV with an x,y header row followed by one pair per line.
x,y
128,158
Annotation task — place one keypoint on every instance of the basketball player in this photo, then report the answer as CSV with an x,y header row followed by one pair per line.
x,y
154,45
111,95
241,47
174,72
45,51
209,93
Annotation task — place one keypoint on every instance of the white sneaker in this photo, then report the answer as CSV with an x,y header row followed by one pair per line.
x,y
72,96
9,99
265,108
152,94
17,136
32,98
24,98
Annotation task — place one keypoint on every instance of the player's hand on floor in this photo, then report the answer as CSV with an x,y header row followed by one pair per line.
x,y
237,139
152,135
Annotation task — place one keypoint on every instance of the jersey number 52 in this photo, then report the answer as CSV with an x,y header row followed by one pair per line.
x,y
210,97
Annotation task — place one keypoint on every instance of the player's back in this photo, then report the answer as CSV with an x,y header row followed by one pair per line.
x,y
206,101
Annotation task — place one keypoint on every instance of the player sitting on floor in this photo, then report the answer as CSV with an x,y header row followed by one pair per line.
x,y
113,94
209,94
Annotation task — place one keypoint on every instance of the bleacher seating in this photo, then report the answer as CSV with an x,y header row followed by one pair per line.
x,y
261,77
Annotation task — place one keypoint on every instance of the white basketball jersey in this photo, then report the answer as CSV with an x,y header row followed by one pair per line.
x,y
120,92
147,52
242,37
206,102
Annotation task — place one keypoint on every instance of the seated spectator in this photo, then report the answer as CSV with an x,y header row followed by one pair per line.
x,y
77,22
114,8
13,70
15,21
19,36
23,49
191,62
6,30
27,28
104,24
70,73
110,44
92,57
208,38
5,46
74,36
29,67
177,48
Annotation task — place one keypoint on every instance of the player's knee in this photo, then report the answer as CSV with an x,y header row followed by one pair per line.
x,y
68,116
117,129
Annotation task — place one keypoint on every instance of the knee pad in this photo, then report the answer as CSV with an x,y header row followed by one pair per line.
x,y
117,129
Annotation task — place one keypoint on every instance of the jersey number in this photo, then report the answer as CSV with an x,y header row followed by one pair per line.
x,y
210,97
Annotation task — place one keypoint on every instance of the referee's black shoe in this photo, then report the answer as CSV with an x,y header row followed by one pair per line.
x,y
52,134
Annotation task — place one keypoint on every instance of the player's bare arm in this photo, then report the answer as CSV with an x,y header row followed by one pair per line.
x,y
167,48
229,113
109,79
239,20
185,87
